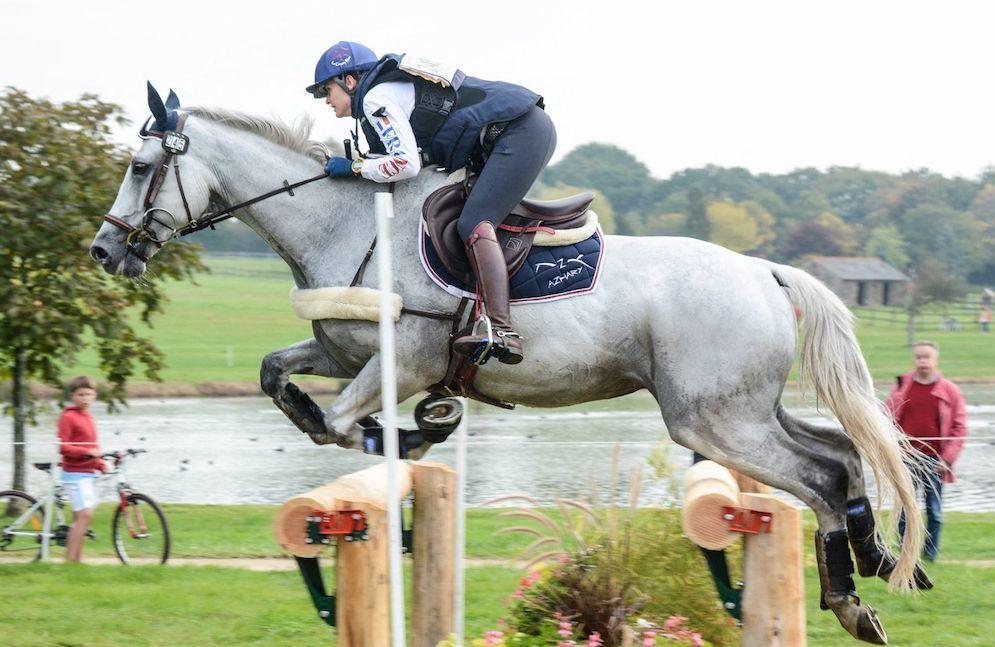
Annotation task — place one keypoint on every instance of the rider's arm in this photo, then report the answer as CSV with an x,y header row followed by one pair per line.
x,y
388,107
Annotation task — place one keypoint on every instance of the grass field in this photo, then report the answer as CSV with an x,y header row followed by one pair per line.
x,y
220,329
49,604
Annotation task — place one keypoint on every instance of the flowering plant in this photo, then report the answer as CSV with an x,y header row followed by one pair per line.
x,y
583,587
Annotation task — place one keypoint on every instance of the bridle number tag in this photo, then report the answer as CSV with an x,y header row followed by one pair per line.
x,y
175,143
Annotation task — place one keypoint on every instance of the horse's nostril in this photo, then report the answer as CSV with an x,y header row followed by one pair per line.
x,y
99,254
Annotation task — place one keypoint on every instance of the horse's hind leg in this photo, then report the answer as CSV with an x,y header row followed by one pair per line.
x,y
767,452
870,553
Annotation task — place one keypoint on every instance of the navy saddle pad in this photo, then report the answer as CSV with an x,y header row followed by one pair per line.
x,y
549,273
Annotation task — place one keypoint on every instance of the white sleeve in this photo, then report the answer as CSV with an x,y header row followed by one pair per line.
x,y
388,108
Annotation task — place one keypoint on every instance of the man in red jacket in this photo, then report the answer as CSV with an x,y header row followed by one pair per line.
x,y
81,461
930,409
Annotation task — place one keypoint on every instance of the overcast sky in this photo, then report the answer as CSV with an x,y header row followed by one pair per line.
x,y
770,86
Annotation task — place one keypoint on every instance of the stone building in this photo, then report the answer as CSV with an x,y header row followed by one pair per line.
x,y
860,281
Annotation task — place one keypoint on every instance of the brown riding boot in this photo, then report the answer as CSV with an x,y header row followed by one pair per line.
x,y
487,260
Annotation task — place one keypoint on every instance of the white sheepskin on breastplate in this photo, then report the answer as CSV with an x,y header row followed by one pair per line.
x,y
341,303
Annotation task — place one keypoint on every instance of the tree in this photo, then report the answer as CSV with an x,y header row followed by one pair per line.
x,y
671,223
932,283
59,172
616,173
887,243
741,227
697,224
601,205
826,235
983,211
952,237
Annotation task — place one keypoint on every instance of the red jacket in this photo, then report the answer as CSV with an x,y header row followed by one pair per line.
x,y
953,416
77,426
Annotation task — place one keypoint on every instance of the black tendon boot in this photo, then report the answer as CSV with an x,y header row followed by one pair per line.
x,y
487,261
838,591
871,557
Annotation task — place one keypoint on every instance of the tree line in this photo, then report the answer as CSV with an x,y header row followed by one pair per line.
x,y
912,220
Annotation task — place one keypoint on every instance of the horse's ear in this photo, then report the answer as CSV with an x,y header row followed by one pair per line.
x,y
157,107
172,101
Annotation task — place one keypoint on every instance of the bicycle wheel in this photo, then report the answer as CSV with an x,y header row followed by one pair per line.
x,y
19,548
140,532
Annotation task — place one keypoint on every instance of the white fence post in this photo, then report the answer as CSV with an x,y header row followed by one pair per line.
x,y
384,206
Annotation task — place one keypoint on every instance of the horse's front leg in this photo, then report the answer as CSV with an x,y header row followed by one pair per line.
x,y
303,358
362,398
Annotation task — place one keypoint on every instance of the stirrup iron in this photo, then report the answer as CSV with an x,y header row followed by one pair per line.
x,y
482,353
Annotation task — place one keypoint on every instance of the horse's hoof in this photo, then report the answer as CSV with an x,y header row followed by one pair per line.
x,y
419,452
923,582
438,414
321,438
859,620
886,568
921,579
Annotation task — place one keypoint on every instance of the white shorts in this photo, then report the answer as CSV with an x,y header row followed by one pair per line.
x,y
81,487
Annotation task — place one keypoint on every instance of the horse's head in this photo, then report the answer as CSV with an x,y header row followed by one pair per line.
x,y
154,200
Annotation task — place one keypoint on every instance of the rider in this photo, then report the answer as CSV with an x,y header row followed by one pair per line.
x,y
415,112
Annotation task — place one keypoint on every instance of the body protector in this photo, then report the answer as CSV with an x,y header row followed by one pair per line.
x,y
450,110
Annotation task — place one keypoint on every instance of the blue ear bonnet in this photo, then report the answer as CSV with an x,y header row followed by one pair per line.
x,y
165,114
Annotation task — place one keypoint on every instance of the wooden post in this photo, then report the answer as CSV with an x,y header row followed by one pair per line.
x,y
774,593
362,579
433,530
362,584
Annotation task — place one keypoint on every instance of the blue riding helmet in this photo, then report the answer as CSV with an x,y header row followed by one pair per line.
x,y
343,57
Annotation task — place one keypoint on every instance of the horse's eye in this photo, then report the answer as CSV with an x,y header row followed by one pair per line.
x,y
139,168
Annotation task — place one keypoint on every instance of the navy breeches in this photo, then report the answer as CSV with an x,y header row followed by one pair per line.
x,y
519,155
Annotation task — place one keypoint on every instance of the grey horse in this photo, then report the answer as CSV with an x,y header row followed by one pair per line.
x,y
710,333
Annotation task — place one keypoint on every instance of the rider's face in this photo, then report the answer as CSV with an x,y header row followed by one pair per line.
x,y
338,98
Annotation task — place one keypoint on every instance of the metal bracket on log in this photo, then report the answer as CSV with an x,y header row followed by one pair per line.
x,y
323,525
746,520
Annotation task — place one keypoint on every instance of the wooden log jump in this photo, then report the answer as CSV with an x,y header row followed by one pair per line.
x,y
362,591
719,507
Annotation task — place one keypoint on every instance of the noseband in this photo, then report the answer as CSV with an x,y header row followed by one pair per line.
x,y
175,143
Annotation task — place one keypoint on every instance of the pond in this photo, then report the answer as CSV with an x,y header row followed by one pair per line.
x,y
243,450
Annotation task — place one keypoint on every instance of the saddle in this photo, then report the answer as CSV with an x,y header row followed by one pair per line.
x,y
516,234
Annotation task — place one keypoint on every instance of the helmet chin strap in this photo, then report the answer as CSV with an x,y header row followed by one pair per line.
x,y
340,81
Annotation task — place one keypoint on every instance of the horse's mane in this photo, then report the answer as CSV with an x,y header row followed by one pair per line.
x,y
294,137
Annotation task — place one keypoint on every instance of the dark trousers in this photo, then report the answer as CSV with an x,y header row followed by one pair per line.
x,y
519,155
933,488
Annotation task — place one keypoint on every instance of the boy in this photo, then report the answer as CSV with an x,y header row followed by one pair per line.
x,y
81,461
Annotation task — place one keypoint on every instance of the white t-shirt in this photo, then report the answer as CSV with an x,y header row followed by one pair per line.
x,y
402,160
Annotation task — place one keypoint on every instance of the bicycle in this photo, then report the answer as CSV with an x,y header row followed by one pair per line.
x,y
33,529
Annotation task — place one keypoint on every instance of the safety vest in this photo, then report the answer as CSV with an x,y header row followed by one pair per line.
x,y
447,120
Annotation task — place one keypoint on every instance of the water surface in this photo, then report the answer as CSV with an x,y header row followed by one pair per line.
x,y
243,450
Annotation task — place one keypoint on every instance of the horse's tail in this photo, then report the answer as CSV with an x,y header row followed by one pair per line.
x,y
832,363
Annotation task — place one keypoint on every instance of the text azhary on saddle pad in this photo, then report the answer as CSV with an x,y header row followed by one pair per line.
x,y
549,273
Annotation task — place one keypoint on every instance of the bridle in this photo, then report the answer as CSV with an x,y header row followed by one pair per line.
x,y
174,144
